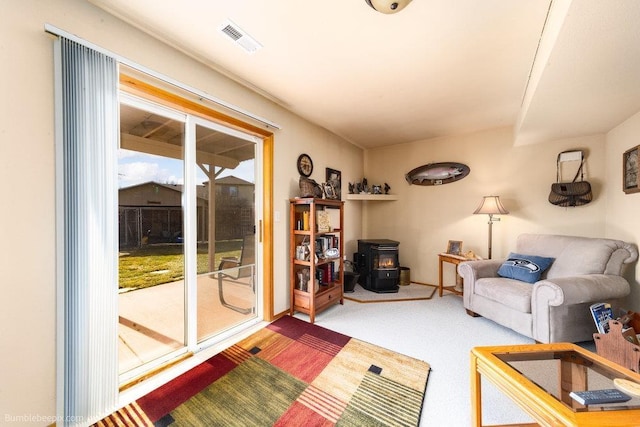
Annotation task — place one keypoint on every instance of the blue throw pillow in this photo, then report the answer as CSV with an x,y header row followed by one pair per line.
x,y
527,268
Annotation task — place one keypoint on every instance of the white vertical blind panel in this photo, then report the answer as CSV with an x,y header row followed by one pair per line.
x,y
90,138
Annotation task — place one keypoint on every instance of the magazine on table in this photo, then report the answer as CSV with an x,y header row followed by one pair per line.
x,y
601,313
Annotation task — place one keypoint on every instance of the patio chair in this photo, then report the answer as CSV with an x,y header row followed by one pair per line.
x,y
234,271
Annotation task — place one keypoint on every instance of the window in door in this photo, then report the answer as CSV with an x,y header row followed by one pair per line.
x,y
188,271
151,288
227,267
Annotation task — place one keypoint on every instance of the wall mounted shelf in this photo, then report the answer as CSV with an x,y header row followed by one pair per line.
x,y
386,197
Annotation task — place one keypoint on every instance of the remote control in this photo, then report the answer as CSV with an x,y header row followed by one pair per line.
x,y
594,397
627,386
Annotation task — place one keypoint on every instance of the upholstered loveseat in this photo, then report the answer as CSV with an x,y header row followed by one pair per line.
x,y
554,308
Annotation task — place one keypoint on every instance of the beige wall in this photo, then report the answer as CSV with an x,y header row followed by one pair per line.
x,y
621,221
28,314
425,218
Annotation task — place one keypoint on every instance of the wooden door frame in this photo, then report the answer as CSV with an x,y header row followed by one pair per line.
x,y
134,86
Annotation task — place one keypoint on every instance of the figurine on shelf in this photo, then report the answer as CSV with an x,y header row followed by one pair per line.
x,y
303,280
303,252
365,186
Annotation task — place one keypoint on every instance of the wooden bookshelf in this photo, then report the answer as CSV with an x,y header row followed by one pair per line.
x,y
317,271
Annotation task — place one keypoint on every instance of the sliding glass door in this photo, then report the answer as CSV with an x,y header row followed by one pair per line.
x,y
187,223
226,227
151,288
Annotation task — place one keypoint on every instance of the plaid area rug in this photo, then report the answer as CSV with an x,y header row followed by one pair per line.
x,y
291,373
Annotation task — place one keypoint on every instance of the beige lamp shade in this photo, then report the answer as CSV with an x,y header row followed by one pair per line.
x,y
386,6
491,205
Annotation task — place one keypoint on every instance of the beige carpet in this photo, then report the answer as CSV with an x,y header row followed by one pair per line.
x,y
413,291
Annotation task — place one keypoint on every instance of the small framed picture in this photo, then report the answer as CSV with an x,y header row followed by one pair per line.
x,y
454,247
329,191
334,177
630,176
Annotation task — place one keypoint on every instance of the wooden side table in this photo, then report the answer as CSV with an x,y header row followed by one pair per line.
x,y
544,394
455,260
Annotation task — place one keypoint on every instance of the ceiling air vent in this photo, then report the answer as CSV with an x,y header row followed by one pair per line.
x,y
239,36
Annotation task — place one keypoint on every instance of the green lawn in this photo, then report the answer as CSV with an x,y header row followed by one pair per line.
x,y
156,264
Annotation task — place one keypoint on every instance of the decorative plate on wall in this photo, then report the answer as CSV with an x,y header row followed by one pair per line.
x,y
437,173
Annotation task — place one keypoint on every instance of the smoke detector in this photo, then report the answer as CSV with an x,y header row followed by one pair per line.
x,y
239,36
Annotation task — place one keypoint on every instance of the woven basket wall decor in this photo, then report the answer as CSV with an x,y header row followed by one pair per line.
x,y
309,188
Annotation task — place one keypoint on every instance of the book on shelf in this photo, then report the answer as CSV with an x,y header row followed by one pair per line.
x,y
324,246
326,273
323,220
595,397
601,313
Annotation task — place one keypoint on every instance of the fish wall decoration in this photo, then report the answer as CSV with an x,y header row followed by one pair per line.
x,y
437,173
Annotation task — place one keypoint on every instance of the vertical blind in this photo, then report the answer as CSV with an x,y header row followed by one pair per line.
x,y
86,183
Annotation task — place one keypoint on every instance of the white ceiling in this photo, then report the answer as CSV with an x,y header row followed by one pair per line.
x,y
438,67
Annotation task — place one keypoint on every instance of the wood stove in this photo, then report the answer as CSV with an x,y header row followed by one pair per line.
x,y
378,265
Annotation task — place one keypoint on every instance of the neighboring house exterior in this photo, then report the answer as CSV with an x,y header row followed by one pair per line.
x,y
151,212
234,188
235,208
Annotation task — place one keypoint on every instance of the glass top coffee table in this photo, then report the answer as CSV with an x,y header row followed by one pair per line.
x,y
540,377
